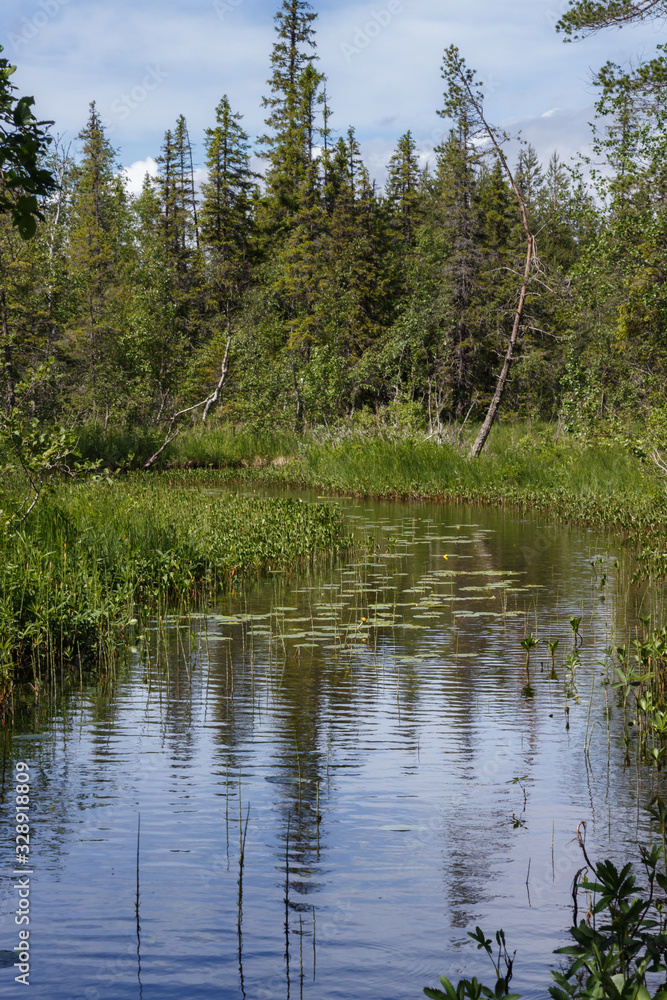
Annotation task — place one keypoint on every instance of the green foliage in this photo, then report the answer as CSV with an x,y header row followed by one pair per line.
x,y
24,141
612,956
34,455
614,950
586,16
334,297
473,990
102,554
294,94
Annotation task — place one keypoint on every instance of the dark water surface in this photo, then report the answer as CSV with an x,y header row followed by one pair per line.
x,y
367,722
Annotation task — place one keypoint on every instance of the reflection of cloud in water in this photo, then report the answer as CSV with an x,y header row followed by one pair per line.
x,y
376,708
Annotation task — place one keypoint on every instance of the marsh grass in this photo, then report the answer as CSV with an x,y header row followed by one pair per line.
x,y
597,483
227,446
215,447
388,461
512,459
99,559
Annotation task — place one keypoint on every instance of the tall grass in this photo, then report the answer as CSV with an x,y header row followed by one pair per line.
x,y
386,460
223,446
215,446
426,468
97,557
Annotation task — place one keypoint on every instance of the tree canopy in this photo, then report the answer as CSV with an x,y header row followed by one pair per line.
x,y
312,294
587,16
23,144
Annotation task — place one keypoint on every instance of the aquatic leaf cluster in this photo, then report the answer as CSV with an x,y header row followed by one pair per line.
x,y
103,557
638,673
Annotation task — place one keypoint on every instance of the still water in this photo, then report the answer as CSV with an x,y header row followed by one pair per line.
x,y
336,776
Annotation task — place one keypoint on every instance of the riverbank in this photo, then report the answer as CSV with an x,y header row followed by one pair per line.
x,y
597,482
95,561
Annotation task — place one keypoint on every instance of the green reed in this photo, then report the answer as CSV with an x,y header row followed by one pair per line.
x,y
96,560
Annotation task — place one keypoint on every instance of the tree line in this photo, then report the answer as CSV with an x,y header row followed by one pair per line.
x,y
308,294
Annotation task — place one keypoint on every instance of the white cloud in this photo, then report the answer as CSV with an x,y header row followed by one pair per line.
x,y
147,63
134,174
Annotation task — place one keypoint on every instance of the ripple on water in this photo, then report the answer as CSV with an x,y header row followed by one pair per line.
x,y
378,716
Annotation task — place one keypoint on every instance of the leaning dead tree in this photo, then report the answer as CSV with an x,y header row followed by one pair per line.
x,y
463,91
659,461
174,428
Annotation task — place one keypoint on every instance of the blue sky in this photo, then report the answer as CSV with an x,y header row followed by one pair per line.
x,y
146,62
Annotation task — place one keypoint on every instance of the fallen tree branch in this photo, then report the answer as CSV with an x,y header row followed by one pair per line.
x,y
213,398
206,403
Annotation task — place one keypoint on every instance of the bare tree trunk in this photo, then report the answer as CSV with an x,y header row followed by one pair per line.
x,y
530,257
480,440
213,398
174,429
299,403
10,398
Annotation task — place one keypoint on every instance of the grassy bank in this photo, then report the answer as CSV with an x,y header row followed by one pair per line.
x,y
96,558
93,557
597,482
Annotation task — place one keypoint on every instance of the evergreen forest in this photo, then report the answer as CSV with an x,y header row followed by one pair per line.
x,y
484,329
309,295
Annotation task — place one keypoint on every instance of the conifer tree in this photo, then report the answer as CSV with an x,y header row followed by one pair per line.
x,y
402,190
226,220
528,175
294,86
227,229
97,247
587,16
355,250
457,212
154,345
177,193
180,229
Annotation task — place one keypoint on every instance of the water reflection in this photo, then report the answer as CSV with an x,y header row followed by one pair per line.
x,y
337,775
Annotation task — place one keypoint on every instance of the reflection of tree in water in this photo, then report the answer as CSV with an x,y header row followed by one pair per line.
x,y
294,730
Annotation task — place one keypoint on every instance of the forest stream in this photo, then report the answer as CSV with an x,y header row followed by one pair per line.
x,y
318,787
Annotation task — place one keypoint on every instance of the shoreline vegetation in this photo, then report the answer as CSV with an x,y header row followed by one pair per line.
x,y
96,559
604,479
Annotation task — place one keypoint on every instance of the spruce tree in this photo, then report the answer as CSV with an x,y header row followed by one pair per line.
x,y
226,219
180,230
457,212
294,86
98,244
227,225
528,176
403,188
